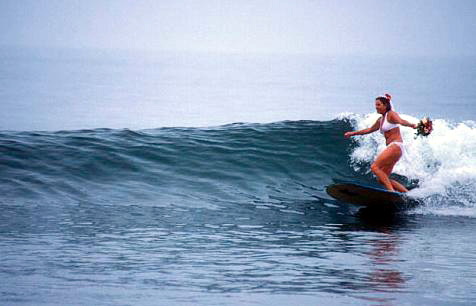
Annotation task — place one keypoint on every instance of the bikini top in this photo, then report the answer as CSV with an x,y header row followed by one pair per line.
x,y
386,126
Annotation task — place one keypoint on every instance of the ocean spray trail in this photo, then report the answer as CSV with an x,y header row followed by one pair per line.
x,y
443,163
231,164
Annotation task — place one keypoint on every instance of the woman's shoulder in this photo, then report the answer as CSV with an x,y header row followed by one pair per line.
x,y
391,113
392,117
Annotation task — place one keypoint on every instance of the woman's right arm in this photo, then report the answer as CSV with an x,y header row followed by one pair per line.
x,y
371,129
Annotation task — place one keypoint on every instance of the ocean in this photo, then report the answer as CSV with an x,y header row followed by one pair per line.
x,y
132,178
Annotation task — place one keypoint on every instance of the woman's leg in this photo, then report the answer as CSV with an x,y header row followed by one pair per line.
x,y
383,165
398,187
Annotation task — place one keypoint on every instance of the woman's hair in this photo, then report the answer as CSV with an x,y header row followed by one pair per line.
x,y
385,101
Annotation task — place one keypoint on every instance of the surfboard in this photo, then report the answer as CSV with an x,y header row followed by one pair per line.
x,y
369,196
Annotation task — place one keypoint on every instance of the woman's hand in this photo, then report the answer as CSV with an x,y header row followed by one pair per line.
x,y
349,134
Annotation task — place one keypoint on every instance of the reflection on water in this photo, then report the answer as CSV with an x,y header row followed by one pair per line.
x,y
381,239
275,247
384,253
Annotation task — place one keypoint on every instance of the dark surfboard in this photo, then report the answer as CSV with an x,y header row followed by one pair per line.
x,y
370,197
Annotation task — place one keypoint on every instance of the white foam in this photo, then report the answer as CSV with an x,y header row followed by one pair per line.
x,y
444,162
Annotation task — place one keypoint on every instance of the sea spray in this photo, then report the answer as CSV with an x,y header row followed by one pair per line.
x,y
443,163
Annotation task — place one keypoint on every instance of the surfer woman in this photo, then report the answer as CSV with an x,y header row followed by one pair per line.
x,y
388,126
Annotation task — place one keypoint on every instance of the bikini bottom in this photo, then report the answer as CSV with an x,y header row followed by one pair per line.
x,y
400,144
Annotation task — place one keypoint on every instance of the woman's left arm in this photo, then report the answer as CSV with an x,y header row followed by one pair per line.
x,y
395,118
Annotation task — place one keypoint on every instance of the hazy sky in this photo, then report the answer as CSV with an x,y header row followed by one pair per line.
x,y
331,27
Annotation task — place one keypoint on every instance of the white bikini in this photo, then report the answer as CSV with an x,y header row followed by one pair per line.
x,y
387,126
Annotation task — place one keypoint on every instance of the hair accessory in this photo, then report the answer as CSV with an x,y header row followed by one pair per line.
x,y
389,97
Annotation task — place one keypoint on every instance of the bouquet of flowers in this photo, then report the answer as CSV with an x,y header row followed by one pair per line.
x,y
424,127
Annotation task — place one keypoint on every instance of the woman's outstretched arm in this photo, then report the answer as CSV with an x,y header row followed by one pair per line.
x,y
371,129
395,118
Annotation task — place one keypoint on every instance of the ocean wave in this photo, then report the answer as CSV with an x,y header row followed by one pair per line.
x,y
236,162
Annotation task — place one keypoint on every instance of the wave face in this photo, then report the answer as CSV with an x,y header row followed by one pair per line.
x,y
167,165
233,163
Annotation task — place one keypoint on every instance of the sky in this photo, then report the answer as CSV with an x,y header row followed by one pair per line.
x,y
415,27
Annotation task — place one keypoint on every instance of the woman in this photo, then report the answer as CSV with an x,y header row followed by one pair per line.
x,y
388,126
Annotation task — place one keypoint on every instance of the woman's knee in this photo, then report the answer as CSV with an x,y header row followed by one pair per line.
x,y
374,167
